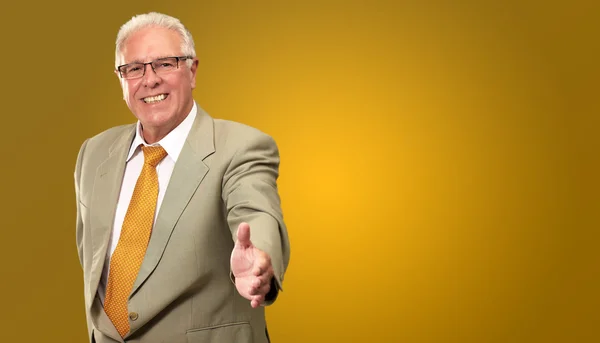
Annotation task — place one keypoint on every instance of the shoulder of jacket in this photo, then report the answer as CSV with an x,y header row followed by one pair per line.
x,y
112,133
225,127
103,141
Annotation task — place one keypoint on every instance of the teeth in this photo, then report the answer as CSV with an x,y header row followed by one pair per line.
x,y
153,99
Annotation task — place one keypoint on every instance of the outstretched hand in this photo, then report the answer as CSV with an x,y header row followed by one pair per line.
x,y
251,268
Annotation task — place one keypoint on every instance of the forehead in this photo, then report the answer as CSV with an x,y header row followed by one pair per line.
x,y
151,43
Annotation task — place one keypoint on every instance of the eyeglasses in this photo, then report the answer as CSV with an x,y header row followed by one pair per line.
x,y
160,66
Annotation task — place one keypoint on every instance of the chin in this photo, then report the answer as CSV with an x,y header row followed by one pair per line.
x,y
154,118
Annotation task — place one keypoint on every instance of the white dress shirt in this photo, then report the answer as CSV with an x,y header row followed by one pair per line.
x,y
172,143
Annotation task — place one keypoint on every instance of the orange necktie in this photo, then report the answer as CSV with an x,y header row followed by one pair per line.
x,y
127,258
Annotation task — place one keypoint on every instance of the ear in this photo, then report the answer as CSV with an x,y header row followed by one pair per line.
x,y
193,69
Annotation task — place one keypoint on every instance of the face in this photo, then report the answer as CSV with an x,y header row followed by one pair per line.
x,y
159,102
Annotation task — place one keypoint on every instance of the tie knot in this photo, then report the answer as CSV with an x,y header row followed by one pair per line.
x,y
153,154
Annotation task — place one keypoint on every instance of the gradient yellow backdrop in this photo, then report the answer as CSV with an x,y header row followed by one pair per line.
x,y
439,170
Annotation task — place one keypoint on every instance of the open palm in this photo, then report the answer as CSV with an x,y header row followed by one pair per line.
x,y
251,268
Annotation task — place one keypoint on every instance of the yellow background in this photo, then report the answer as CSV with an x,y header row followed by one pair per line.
x,y
439,167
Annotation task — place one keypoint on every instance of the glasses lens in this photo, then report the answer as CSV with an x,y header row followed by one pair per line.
x,y
132,70
164,65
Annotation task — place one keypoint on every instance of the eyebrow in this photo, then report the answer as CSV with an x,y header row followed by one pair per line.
x,y
154,59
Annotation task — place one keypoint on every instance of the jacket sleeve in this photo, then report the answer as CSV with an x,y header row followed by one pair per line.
x,y
79,225
250,195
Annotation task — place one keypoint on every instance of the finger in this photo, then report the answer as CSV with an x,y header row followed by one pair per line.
x,y
265,274
254,286
243,235
256,301
259,286
262,264
262,279
263,289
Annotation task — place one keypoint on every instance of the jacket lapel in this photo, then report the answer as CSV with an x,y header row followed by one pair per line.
x,y
107,184
189,171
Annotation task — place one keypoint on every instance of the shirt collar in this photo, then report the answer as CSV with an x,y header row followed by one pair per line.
x,y
172,142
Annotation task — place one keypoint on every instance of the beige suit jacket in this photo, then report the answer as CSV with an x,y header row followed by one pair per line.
x,y
226,174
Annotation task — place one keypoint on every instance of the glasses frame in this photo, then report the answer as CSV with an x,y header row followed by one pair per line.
x,y
179,58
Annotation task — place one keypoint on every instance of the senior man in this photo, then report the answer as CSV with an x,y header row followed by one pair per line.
x,y
180,232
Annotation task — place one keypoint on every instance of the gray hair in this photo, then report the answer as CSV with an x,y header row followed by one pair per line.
x,y
142,21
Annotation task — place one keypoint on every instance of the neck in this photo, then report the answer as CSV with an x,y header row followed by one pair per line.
x,y
152,136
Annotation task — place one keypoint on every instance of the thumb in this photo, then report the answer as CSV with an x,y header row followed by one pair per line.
x,y
243,235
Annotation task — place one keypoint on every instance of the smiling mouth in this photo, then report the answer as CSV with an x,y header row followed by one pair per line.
x,y
155,99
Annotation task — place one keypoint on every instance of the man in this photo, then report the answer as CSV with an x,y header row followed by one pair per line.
x,y
179,226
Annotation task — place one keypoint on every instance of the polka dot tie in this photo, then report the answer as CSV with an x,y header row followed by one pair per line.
x,y
127,258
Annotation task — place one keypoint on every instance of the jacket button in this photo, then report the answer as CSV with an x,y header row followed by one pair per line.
x,y
133,316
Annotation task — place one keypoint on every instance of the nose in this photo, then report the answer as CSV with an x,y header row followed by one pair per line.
x,y
151,79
